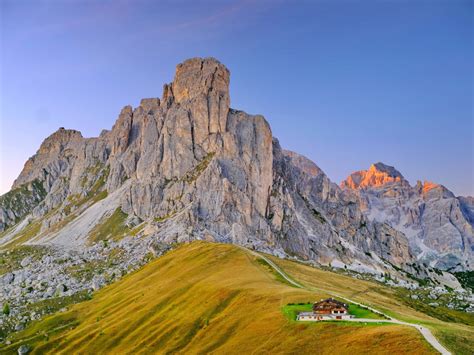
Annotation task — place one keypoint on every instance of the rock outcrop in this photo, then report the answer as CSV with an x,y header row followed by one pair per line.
x,y
438,224
19,202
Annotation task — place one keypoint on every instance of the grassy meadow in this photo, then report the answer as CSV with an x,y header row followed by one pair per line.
x,y
205,298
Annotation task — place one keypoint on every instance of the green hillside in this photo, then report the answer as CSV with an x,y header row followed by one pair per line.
x,y
204,298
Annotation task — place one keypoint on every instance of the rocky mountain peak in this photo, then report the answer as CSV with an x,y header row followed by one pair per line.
x,y
52,147
379,174
200,76
201,89
59,138
388,170
433,190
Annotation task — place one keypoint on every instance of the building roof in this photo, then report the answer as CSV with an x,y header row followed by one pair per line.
x,y
331,301
328,304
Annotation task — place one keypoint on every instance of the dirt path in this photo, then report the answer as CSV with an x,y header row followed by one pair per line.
x,y
425,332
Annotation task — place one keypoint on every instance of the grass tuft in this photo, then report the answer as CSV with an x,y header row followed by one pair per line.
x,y
113,227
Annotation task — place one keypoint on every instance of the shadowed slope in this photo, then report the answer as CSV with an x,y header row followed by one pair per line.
x,y
201,298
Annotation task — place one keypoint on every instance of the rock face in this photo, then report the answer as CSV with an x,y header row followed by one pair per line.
x,y
186,166
439,225
20,201
313,217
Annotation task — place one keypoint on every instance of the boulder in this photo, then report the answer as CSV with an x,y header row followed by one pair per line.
x,y
24,349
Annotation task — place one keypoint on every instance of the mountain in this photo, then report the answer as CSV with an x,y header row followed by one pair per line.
x,y
438,225
187,167
192,300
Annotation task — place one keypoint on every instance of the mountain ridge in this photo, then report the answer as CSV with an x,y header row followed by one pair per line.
x,y
437,223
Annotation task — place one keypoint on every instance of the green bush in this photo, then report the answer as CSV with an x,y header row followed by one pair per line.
x,y
6,309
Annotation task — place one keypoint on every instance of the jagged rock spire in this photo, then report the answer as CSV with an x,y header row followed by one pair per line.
x,y
202,85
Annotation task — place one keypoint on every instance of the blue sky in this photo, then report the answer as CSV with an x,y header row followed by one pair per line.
x,y
346,83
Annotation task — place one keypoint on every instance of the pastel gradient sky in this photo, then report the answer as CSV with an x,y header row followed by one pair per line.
x,y
346,83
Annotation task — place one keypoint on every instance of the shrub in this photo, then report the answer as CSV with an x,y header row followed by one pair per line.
x,y
6,309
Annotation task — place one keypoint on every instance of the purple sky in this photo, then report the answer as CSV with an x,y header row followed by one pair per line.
x,y
346,83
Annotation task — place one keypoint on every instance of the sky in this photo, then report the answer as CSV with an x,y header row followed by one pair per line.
x,y
346,83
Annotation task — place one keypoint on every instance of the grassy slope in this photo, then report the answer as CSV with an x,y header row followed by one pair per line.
x,y
457,337
202,298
